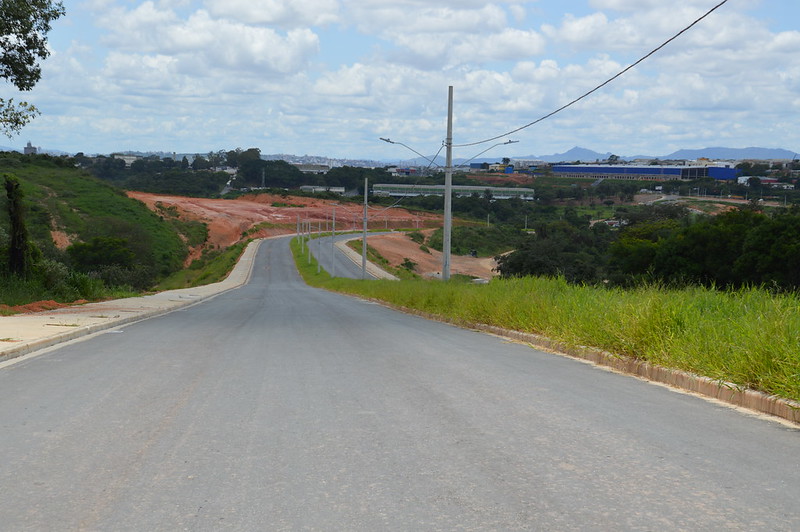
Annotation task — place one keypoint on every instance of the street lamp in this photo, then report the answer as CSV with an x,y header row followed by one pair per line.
x,y
407,147
487,149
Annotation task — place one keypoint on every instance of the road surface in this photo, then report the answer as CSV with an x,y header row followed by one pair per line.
x,y
281,407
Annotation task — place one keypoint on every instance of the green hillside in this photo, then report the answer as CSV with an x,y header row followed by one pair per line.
x,y
116,241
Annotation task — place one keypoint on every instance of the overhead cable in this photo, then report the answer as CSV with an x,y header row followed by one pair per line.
x,y
576,100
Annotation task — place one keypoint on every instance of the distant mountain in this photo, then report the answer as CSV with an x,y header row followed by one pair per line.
x,y
575,154
736,154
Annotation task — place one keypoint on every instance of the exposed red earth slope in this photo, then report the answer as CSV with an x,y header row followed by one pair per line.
x,y
228,220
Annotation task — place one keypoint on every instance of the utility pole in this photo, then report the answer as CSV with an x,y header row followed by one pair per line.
x,y
333,243
448,189
308,244
364,238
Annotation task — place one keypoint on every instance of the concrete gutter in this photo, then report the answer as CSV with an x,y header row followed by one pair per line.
x,y
724,392
24,333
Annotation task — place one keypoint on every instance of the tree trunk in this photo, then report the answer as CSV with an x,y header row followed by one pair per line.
x,y
18,252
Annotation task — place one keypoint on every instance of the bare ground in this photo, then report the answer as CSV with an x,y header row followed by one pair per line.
x,y
228,219
396,247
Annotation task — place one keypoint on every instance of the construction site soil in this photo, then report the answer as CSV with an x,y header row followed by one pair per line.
x,y
265,215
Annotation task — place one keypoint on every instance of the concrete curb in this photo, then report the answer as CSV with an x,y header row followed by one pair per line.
x,y
172,300
725,392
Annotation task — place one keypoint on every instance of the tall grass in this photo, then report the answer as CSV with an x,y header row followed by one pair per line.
x,y
212,267
749,337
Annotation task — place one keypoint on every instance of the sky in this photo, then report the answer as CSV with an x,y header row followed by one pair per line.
x,y
331,77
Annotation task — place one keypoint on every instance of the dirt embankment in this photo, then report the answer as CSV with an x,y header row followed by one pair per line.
x,y
397,247
263,215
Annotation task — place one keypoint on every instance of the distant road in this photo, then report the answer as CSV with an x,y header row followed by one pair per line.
x,y
334,261
281,407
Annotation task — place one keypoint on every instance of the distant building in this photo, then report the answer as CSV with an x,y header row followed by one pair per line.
x,y
317,190
315,169
644,173
500,168
129,159
30,150
458,190
394,171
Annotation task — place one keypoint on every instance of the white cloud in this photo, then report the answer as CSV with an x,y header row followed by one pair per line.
x,y
211,74
282,13
210,44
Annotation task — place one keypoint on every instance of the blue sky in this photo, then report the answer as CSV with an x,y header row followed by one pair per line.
x,y
329,77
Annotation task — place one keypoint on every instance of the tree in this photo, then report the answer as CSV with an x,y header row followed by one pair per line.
x,y
101,251
754,182
18,262
24,25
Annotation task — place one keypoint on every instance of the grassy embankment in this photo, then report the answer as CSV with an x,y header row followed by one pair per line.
x,y
747,337
57,196
212,267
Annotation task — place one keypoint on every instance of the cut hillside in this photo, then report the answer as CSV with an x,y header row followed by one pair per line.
x,y
64,206
399,247
264,215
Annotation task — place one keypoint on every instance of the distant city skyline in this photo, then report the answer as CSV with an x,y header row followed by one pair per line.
x,y
328,77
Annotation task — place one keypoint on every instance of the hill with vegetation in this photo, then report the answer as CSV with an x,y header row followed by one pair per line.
x,y
106,241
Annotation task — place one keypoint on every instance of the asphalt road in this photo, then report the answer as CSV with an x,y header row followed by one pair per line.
x,y
334,261
280,407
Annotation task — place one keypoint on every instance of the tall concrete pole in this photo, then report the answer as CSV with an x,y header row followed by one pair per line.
x,y
333,244
364,238
298,233
448,190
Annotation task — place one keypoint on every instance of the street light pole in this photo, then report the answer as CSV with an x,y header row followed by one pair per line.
x,y
333,243
448,189
364,238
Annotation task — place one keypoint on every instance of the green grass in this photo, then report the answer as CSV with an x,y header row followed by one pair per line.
x,y
749,337
376,258
266,225
67,198
212,267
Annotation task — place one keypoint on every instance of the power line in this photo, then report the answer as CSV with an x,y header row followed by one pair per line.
x,y
576,100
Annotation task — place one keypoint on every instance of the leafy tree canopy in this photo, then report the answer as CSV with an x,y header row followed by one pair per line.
x,y
24,25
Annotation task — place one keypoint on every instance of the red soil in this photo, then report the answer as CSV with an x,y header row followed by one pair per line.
x,y
228,219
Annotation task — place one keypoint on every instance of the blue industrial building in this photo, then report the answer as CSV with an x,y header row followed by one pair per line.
x,y
645,173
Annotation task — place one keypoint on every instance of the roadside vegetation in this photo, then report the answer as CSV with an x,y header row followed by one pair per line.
x,y
213,266
116,245
404,271
747,337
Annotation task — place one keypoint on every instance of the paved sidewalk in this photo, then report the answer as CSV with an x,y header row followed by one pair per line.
x,y
23,333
